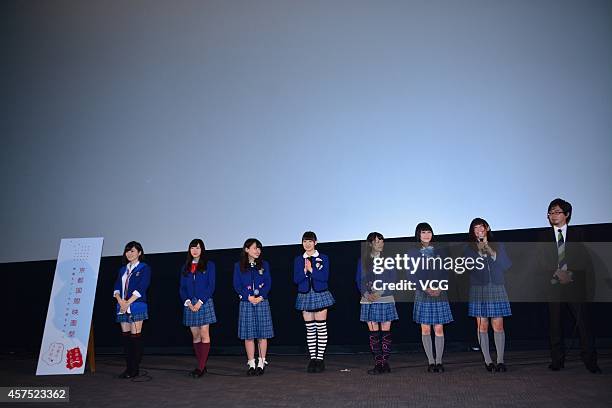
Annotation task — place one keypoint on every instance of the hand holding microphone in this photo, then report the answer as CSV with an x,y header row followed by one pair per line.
x,y
482,243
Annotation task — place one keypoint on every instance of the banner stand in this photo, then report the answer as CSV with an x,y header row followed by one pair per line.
x,y
91,354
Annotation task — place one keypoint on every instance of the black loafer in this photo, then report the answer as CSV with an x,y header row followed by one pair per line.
x,y
431,368
320,367
501,368
375,371
311,366
439,368
125,374
197,373
490,367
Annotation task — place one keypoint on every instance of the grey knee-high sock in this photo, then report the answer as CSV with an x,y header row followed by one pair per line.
x,y
428,349
500,345
439,349
484,346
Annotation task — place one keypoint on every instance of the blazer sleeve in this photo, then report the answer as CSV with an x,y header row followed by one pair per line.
x,y
502,260
298,270
359,278
238,286
143,284
267,277
211,274
183,287
117,287
321,275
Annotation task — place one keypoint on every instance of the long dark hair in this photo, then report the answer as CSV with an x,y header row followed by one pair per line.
x,y
473,239
367,262
244,257
129,246
201,266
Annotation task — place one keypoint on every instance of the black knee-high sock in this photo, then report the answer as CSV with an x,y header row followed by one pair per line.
x,y
137,353
376,347
127,349
386,344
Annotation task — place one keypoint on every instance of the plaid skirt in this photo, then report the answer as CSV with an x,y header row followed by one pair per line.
x,y
314,300
139,312
206,315
255,321
431,309
378,312
489,301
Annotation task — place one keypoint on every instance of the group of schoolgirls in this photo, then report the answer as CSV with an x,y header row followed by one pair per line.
x,y
487,300
252,283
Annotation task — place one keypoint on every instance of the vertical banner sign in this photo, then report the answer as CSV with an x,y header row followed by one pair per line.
x,y
64,345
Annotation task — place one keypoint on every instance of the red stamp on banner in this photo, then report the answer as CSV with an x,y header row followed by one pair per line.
x,y
74,358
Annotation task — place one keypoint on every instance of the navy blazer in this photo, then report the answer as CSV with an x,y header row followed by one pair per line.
x,y
245,283
139,280
433,273
365,280
317,280
493,271
199,285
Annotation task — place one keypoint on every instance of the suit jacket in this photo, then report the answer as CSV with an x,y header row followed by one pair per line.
x,y
578,262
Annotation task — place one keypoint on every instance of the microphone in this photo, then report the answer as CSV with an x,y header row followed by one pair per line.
x,y
481,239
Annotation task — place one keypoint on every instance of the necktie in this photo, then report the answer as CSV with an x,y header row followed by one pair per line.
x,y
127,283
561,251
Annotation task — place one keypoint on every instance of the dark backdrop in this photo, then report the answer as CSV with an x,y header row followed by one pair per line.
x,y
28,287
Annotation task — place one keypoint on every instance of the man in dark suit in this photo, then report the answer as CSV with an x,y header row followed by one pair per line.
x,y
567,273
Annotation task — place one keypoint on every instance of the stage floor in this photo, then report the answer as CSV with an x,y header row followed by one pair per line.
x,y
528,382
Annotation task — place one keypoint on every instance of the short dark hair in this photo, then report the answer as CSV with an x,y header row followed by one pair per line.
x,y
129,246
422,226
309,236
563,205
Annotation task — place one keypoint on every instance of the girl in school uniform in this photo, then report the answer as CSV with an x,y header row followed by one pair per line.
x,y
377,307
197,286
431,306
488,297
310,274
252,282
130,292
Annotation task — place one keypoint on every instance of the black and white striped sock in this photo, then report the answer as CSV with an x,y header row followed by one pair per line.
x,y
321,338
311,337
